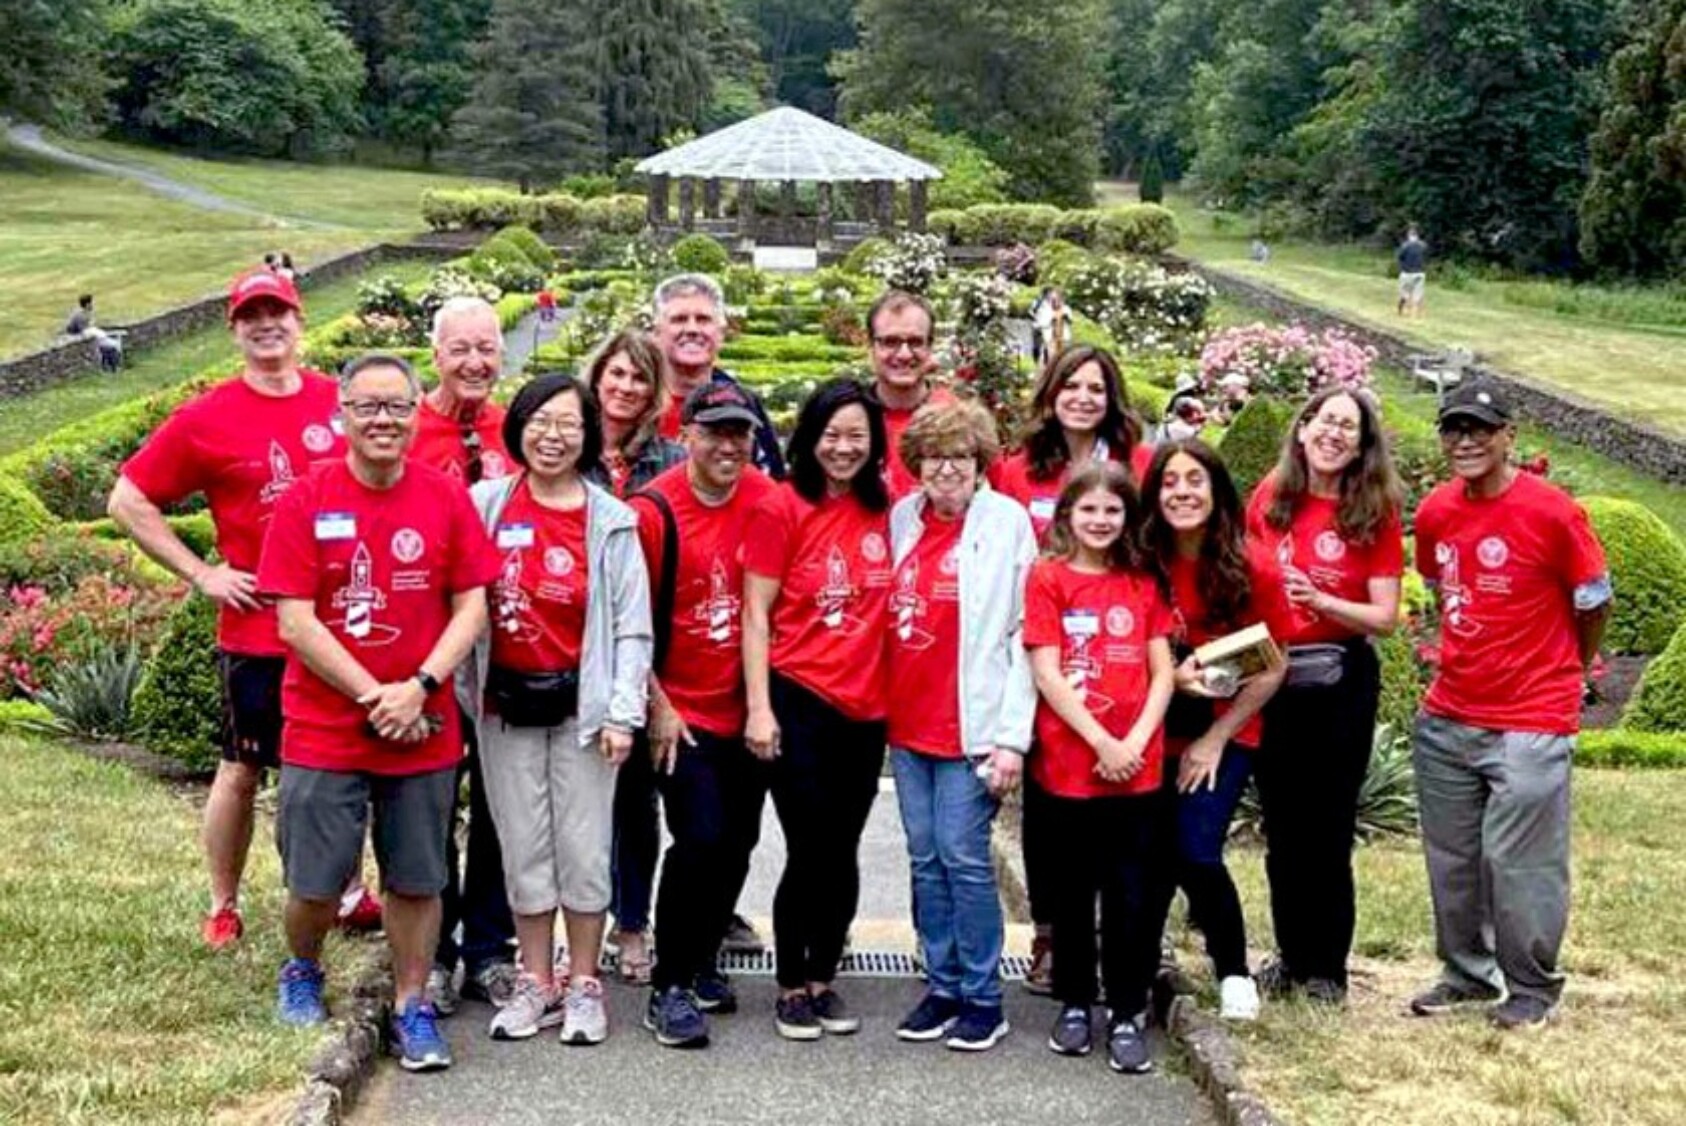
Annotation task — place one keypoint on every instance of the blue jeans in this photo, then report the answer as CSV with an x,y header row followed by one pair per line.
x,y
1199,826
946,813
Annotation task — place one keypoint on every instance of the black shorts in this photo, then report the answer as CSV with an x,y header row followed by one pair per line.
x,y
251,708
324,813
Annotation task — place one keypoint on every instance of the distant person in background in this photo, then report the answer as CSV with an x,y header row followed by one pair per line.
x,y
1038,337
271,261
1413,272
1058,315
1259,251
547,306
1185,417
81,325
285,267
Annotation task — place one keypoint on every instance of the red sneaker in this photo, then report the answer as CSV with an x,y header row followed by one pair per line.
x,y
363,916
223,928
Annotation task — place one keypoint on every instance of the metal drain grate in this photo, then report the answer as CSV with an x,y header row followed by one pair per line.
x,y
860,963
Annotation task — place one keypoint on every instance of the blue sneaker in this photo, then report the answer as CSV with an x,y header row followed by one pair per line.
x,y
416,1040
299,993
930,1019
715,993
979,1028
675,1019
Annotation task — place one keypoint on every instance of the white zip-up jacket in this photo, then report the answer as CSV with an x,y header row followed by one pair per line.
x,y
997,548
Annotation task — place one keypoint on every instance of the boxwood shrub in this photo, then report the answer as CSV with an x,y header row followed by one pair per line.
x,y
1136,228
1254,440
1659,700
22,515
1621,746
1648,570
178,708
700,254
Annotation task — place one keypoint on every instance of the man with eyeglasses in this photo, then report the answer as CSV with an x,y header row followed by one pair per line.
x,y
459,431
900,327
241,444
379,568
690,325
1524,595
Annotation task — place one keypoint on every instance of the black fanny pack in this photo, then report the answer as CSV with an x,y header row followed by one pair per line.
x,y
1315,666
533,699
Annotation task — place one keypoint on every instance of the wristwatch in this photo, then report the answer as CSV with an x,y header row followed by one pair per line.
x,y
429,682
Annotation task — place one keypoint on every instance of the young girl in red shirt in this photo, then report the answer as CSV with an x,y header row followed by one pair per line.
x,y
1096,627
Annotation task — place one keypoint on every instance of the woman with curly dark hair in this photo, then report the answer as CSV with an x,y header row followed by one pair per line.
x,y
1194,543
1329,515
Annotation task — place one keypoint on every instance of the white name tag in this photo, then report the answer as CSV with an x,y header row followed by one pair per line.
x,y
336,526
1080,623
1042,508
514,535
337,425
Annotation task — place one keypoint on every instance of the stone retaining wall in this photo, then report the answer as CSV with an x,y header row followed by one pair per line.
x,y
70,358
1635,444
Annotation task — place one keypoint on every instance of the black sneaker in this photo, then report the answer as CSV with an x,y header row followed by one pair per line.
x,y
1444,996
675,1019
1072,1034
979,1028
741,938
1522,1011
715,993
929,1019
1323,991
794,1016
834,1016
1274,980
1126,1047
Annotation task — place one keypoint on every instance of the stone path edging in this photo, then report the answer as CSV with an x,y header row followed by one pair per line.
x,y
347,1059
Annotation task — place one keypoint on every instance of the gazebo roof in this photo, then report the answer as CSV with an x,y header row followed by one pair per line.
x,y
786,144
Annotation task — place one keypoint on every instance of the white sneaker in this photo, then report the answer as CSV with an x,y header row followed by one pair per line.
x,y
1238,999
587,1018
530,1009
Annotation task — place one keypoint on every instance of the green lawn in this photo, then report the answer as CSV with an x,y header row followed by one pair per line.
x,y
1626,351
115,1011
1608,1058
25,420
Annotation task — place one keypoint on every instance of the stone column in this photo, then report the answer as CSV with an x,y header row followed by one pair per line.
x,y
656,205
711,198
862,211
687,203
916,204
787,200
885,192
822,215
746,212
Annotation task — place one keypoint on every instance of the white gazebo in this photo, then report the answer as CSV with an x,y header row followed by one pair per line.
x,y
786,146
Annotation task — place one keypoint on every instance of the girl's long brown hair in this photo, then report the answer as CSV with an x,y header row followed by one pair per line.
x,y
1044,439
647,356
1225,586
1115,479
1370,492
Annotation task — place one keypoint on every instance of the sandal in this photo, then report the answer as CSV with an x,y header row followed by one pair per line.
x,y
633,962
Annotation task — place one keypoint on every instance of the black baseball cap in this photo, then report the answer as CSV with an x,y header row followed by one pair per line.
x,y
1480,401
717,402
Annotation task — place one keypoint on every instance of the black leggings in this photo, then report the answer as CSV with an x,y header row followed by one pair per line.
x,y
1316,752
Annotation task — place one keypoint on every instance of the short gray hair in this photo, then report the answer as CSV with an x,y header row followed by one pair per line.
x,y
688,285
355,367
458,306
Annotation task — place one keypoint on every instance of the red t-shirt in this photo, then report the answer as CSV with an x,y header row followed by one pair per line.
x,y
1189,625
538,602
1012,477
1102,625
1334,564
703,671
924,644
832,561
243,450
897,478
439,445
381,566
1507,569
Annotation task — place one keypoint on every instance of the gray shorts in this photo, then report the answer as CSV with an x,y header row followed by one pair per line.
x,y
553,802
1411,286
324,813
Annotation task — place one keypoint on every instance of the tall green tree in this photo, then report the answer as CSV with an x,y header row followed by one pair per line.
x,y
427,72
798,38
1633,215
741,82
654,73
536,112
1021,77
969,176
50,63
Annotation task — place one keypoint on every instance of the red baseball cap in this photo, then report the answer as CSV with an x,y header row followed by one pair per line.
x,y
259,284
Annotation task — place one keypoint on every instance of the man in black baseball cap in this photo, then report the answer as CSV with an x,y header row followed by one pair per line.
x,y
1479,401
714,404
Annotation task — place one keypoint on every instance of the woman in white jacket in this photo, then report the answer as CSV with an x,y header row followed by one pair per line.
x,y
961,705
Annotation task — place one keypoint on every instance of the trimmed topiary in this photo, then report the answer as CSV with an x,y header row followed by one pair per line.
x,y
865,253
1136,228
22,515
530,244
1659,701
1648,570
700,254
1254,440
178,708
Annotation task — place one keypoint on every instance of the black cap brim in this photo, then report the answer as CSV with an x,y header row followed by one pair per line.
x,y
714,416
1482,414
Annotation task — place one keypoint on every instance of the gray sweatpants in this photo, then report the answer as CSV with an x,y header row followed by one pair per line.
x,y
1495,823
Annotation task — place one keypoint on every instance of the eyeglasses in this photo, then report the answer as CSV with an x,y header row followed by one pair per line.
x,y
566,427
1339,425
367,410
893,344
950,460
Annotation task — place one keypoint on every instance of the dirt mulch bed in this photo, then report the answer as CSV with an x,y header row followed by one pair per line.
x,y
1621,677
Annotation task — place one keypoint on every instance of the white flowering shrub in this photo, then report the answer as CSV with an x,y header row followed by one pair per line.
x,y
1145,307
913,263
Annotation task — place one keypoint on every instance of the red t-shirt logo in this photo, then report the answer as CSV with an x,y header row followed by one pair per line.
x,y
1330,547
360,598
407,545
280,474
1492,552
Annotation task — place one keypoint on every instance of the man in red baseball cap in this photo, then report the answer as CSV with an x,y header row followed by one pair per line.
x,y
242,443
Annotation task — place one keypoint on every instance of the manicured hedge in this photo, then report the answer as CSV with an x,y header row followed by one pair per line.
x,y
178,707
195,530
22,516
1619,746
1254,440
1132,228
1648,570
478,209
1659,701
806,347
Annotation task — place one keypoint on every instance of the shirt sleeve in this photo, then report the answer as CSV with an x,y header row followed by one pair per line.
x,y
1583,554
1041,608
767,553
1427,567
1257,505
1159,618
473,561
650,536
287,568
168,467
1387,558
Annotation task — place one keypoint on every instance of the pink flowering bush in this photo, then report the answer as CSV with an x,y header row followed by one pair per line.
x,y
1290,361
41,629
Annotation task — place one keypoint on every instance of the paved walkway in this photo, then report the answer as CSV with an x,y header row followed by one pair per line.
x,y
524,339
749,1076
